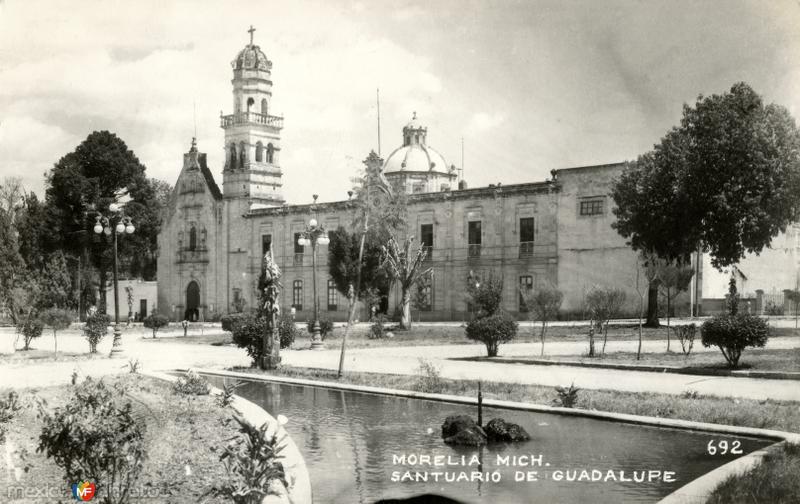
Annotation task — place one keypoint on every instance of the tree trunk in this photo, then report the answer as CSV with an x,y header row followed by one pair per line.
x,y
544,326
652,305
668,306
405,309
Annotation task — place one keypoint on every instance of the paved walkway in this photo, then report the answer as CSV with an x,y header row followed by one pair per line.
x,y
167,354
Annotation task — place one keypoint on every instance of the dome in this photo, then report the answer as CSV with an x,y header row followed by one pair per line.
x,y
414,123
251,58
415,158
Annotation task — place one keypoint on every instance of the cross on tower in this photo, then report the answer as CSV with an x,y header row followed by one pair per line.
x,y
251,30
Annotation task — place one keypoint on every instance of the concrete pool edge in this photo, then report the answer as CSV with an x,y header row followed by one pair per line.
x,y
694,492
299,489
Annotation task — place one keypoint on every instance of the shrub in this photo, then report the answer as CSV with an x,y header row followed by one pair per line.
x,y
93,438
429,377
604,304
287,330
191,383
155,322
249,333
686,334
8,409
57,320
251,463
214,316
95,328
325,327
376,330
544,304
733,333
770,308
486,295
31,328
567,397
230,320
492,330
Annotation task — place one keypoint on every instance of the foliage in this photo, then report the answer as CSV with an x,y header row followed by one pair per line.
x,y
8,409
567,397
485,294
725,180
55,283
771,308
57,319
604,303
252,464
686,334
429,377
674,277
325,327
405,266
491,330
343,252
156,321
12,266
30,328
544,303
733,333
287,330
133,366
191,383
377,329
249,333
94,438
230,320
776,479
95,328
228,394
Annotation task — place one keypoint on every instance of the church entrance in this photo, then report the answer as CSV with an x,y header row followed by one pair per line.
x,y
192,313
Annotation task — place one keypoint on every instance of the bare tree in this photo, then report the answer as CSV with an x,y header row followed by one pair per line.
x,y
605,303
405,265
544,303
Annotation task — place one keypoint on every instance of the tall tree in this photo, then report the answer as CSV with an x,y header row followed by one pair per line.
x,y
724,181
405,265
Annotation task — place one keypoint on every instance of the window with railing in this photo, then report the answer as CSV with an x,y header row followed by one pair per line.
x,y
526,236
525,290
297,295
333,296
474,239
299,250
266,245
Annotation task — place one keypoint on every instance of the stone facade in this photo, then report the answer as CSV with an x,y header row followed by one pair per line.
x,y
555,232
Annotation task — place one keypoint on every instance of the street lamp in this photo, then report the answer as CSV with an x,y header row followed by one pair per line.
x,y
120,225
314,235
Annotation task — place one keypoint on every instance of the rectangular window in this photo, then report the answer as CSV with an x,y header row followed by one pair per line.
x,y
424,299
474,239
333,296
297,295
526,234
298,249
426,239
591,206
525,289
266,244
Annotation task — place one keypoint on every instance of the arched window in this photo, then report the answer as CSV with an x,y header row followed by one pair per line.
x,y
259,152
250,103
264,106
193,239
233,157
270,153
242,155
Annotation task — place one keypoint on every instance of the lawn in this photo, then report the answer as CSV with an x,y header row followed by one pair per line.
x,y
776,481
183,439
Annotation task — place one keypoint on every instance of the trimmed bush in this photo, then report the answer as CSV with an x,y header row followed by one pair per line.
x,y
733,333
31,328
287,330
492,330
376,330
155,322
191,383
95,329
57,319
325,327
248,333
229,321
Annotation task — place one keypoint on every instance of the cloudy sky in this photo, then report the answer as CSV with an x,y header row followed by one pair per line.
x,y
529,85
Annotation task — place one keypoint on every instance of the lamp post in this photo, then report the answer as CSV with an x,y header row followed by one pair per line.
x,y
118,224
314,235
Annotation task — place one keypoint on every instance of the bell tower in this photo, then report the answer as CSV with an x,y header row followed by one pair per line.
x,y
252,136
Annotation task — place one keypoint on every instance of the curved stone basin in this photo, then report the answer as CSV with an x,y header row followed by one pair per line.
x,y
354,442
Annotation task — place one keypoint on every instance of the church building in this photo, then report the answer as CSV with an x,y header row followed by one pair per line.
x,y
555,231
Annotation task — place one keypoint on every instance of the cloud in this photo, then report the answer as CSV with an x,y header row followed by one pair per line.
x,y
483,121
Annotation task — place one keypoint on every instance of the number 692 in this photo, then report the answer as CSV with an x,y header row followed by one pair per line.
x,y
723,447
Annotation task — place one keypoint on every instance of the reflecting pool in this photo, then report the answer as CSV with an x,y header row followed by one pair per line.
x,y
362,447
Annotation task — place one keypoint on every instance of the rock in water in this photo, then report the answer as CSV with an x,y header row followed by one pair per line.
x,y
462,430
498,430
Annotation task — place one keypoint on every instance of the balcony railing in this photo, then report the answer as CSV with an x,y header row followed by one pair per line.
x,y
193,256
250,118
428,252
525,249
298,259
474,251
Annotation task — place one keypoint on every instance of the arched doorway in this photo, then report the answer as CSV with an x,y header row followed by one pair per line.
x,y
192,313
